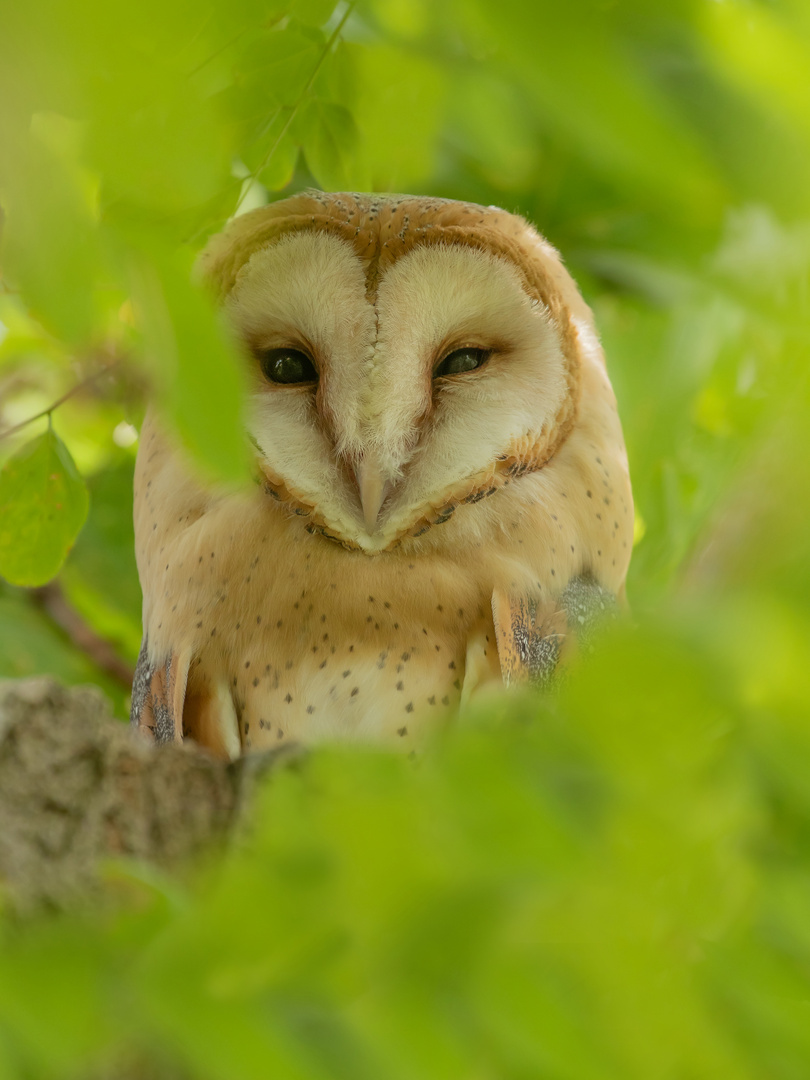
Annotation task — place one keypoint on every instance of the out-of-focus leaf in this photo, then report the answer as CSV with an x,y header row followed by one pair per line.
x,y
274,66
280,166
328,134
31,645
9,1067
49,242
198,375
494,127
43,504
153,133
590,89
760,49
313,12
71,981
100,578
397,98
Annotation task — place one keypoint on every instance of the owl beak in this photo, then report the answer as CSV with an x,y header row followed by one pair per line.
x,y
373,488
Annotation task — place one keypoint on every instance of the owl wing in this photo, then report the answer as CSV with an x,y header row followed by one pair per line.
x,y
533,636
158,695
167,709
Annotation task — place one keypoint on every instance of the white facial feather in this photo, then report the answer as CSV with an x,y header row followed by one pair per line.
x,y
377,397
306,290
440,298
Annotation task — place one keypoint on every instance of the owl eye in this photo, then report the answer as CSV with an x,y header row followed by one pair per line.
x,y
287,366
461,360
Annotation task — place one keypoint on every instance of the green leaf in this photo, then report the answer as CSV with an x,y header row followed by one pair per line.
x,y
273,68
198,376
50,244
101,579
280,167
329,137
43,504
314,12
33,644
398,101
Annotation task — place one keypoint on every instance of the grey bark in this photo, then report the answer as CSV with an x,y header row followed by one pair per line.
x,y
78,786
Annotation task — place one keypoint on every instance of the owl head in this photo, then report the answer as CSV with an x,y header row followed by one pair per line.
x,y
408,356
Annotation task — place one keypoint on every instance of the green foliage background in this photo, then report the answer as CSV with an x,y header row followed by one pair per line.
x,y
610,883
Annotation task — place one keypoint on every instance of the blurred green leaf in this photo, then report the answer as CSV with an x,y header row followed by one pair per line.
x,y
32,645
61,959
49,242
278,169
397,97
199,377
100,578
43,504
273,67
328,132
313,12
589,89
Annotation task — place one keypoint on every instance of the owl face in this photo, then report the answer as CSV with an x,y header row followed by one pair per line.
x,y
389,391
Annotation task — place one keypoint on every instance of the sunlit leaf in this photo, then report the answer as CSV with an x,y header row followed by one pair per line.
x,y
43,504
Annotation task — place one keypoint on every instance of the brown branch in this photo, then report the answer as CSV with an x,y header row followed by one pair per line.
x,y
55,604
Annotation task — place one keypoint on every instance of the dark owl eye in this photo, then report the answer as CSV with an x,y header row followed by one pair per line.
x,y
287,366
461,360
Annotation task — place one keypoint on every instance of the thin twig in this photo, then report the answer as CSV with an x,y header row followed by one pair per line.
x,y
268,157
6,432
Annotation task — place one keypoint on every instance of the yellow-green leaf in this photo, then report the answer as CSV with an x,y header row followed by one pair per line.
x,y
199,379
43,504
328,134
50,248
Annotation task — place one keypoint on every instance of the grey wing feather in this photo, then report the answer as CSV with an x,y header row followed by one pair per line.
x,y
158,694
533,636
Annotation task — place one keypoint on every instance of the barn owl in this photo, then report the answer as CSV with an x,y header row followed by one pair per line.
x,y
442,494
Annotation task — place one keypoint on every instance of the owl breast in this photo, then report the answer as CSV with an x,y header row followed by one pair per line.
x,y
290,634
